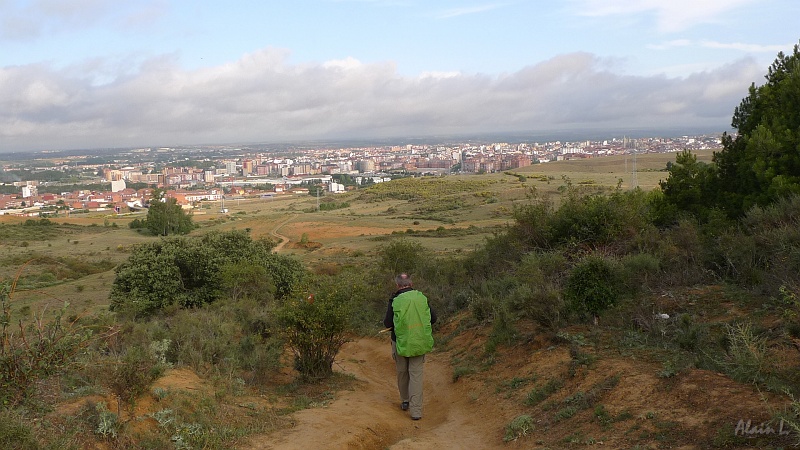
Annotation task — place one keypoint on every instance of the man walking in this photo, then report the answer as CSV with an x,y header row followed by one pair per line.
x,y
410,318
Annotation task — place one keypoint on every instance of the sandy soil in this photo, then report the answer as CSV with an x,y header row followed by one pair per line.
x,y
369,417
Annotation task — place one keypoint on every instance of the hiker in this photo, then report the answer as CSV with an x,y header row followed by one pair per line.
x,y
410,318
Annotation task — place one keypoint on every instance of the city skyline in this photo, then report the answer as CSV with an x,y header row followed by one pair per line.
x,y
95,73
192,175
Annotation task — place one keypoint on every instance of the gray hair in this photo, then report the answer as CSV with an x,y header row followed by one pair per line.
x,y
403,280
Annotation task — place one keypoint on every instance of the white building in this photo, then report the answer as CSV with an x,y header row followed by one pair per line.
x,y
117,185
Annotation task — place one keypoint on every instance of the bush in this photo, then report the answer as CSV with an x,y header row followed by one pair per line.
x,y
519,427
639,271
226,339
133,373
103,422
191,272
15,433
683,253
599,219
746,358
503,331
36,351
592,286
401,255
540,393
316,324
481,307
764,252
545,306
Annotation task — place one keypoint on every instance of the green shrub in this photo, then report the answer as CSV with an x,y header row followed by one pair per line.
x,y
682,255
190,272
592,286
565,413
104,423
746,359
316,324
481,307
598,219
462,371
603,417
543,303
244,279
791,418
668,370
35,351
521,426
540,393
503,331
689,334
230,339
401,255
132,374
639,270
16,433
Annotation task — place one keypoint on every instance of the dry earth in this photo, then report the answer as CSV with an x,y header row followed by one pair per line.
x,y
369,417
694,410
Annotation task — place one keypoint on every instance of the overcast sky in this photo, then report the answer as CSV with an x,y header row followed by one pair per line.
x,y
111,73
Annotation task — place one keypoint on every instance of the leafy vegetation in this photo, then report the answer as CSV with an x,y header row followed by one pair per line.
x,y
757,166
189,272
32,352
318,323
419,189
519,427
165,217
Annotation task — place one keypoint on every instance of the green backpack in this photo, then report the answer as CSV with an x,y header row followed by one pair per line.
x,y
412,324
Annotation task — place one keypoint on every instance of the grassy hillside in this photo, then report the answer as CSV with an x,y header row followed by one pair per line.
x,y
698,312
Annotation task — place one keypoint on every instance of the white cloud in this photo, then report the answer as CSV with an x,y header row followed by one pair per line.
x,y
456,12
750,48
744,47
262,97
670,16
440,75
25,21
670,44
347,63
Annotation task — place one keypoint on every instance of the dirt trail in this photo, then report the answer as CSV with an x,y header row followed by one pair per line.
x,y
281,239
369,417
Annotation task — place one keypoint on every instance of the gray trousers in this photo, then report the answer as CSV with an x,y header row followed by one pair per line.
x,y
409,380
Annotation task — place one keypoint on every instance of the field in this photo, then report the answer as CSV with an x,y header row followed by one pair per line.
x,y
464,209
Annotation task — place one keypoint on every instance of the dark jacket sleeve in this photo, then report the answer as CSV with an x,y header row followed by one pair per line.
x,y
433,314
388,319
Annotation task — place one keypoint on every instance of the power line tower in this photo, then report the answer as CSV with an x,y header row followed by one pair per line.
x,y
634,179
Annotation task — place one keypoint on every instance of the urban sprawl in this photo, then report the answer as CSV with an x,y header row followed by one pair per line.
x,y
193,175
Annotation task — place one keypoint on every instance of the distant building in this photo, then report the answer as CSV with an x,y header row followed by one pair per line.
x,y
366,166
247,167
117,185
29,191
230,167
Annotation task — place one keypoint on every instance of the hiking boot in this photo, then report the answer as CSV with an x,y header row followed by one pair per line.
x,y
404,406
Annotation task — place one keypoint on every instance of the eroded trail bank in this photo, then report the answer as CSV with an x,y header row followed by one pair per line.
x,y
369,417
